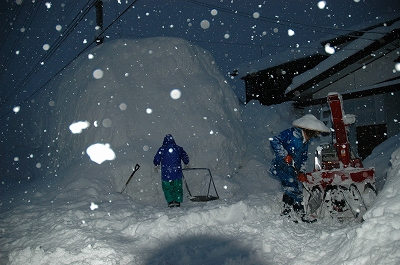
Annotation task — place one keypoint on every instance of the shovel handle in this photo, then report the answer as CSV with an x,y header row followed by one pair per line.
x,y
130,177
134,170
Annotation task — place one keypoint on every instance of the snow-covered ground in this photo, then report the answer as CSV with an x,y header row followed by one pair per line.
x,y
61,206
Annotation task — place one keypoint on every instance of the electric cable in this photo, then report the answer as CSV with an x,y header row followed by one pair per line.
x,y
31,55
4,37
34,53
79,54
53,49
284,22
18,41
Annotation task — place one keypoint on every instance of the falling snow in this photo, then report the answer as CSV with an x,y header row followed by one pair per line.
x,y
72,147
70,210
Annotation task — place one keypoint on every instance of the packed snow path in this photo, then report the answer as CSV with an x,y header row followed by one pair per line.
x,y
117,230
97,228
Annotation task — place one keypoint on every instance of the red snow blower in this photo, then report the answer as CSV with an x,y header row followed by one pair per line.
x,y
340,187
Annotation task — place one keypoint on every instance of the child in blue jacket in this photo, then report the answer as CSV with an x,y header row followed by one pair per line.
x,y
289,165
169,155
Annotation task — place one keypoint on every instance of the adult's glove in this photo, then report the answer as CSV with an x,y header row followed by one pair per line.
x,y
301,177
288,159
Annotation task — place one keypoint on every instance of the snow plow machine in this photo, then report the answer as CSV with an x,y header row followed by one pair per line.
x,y
339,187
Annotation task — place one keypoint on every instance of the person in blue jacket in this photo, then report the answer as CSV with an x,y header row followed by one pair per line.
x,y
289,165
170,155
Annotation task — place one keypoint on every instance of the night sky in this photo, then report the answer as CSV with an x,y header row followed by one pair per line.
x,y
39,38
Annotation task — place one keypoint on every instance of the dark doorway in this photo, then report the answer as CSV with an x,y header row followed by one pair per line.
x,y
369,137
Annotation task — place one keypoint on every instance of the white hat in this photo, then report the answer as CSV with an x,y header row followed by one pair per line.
x,y
310,122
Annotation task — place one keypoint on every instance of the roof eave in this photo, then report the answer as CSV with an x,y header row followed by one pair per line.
x,y
392,35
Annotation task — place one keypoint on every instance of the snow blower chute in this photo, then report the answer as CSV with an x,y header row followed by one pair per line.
x,y
201,179
340,187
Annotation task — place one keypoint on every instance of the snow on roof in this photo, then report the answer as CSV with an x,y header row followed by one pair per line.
x,y
280,58
377,86
361,27
304,50
357,45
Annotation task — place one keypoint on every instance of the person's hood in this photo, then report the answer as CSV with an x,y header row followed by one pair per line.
x,y
168,140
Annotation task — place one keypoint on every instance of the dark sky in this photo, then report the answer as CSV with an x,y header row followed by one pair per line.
x,y
41,37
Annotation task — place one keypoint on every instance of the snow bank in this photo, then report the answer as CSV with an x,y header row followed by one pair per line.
x,y
373,241
263,122
380,159
132,93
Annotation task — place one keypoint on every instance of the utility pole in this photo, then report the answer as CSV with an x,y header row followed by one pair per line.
x,y
99,21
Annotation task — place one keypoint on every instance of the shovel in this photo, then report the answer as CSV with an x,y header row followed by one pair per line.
x,y
130,177
297,173
315,199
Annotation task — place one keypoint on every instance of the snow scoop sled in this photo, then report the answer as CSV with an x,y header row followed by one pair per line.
x,y
200,178
340,187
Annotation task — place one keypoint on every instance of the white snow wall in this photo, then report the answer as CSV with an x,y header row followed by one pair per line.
x,y
133,110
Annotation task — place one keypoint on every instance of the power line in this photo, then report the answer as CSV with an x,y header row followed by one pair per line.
x,y
277,21
4,37
18,41
52,50
22,4
27,64
293,24
39,47
79,54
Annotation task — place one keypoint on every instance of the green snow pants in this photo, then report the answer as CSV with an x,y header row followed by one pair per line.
x,y
173,191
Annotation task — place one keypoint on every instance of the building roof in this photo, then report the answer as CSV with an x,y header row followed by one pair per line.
x,y
380,88
309,49
367,48
362,46
280,58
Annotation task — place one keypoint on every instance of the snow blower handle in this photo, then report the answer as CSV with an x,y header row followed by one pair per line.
x,y
289,160
299,175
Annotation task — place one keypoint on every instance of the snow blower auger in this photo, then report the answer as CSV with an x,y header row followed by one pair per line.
x,y
340,187
201,182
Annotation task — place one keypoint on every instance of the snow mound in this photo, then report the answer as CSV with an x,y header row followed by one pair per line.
x,y
381,226
129,94
380,159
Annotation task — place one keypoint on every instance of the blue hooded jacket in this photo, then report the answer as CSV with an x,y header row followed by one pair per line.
x,y
169,155
289,142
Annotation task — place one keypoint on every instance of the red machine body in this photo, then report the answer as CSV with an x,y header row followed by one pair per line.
x,y
340,185
342,144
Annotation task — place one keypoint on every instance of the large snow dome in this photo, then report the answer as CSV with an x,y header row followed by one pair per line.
x,y
128,94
